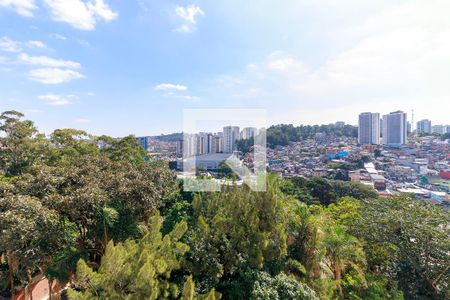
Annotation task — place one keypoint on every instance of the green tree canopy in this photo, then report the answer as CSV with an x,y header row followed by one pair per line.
x,y
135,269
21,144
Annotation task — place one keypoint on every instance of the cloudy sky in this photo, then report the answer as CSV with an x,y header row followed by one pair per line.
x,y
119,67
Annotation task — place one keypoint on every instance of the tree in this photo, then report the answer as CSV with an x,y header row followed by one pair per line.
x,y
236,229
377,152
189,292
31,235
343,251
103,199
297,187
407,241
69,144
283,134
347,212
125,149
135,269
353,189
322,190
280,287
225,171
177,208
21,145
244,145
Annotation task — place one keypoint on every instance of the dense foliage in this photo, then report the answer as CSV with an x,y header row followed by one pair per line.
x,y
283,134
95,213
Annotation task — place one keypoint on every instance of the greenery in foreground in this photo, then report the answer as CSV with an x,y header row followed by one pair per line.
x,y
116,226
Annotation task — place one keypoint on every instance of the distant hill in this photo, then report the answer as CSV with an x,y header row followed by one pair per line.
x,y
283,134
173,137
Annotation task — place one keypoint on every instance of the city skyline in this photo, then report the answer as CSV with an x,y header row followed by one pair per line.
x,y
115,68
195,149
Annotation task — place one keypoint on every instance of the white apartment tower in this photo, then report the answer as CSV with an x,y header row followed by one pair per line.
x,y
395,128
424,126
369,128
230,135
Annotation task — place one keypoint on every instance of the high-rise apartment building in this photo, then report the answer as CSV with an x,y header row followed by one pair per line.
x,y
202,143
395,128
199,144
439,129
447,129
248,132
424,126
180,146
369,128
144,141
217,143
230,136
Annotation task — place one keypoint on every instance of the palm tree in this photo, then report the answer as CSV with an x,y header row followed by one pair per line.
x,y
343,251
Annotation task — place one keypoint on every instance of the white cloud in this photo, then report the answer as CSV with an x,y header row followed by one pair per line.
x,y
47,61
82,120
58,36
170,86
54,75
81,14
22,7
189,98
188,14
57,100
395,58
397,50
9,45
175,91
284,64
102,10
36,44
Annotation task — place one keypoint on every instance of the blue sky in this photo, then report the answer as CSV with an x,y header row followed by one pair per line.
x,y
118,67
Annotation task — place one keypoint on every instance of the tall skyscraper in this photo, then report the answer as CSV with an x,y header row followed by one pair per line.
x,y
395,128
424,126
230,135
369,128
